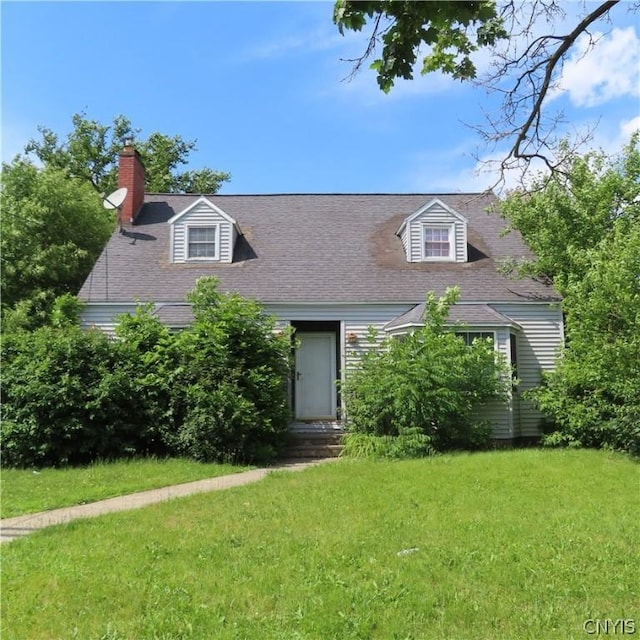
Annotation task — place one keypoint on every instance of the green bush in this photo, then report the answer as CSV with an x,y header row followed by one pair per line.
x,y
234,367
215,392
428,380
592,396
149,358
66,399
412,443
583,224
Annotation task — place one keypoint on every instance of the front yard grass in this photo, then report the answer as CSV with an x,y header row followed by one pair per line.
x,y
28,491
508,544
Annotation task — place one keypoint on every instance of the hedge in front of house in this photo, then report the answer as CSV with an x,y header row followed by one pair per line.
x,y
214,392
67,399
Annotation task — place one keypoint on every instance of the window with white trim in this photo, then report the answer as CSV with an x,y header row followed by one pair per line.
x,y
438,242
470,336
202,243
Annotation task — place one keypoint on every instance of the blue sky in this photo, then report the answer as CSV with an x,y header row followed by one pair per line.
x,y
260,86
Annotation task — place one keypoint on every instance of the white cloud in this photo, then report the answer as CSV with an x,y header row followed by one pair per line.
x,y
452,170
320,39
627,129
614,138
609,70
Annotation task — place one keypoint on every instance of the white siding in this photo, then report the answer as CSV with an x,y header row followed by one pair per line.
x,y
203,215
537,348
404,237
358,313
104,316
537,345
359,332
499,413
436,214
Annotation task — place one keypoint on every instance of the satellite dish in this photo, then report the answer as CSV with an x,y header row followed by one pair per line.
x,y
114,200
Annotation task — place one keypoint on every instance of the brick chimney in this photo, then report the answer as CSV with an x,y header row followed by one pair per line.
x,y
131,175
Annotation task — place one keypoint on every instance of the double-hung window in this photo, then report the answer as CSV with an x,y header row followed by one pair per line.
x,y
202,243
438,241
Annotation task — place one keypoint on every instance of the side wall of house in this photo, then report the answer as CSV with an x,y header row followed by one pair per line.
x,y
104,316
499,413
202,215
537,347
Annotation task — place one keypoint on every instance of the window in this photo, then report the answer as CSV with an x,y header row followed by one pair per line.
x,y
470,336
202,242
513,341
438,242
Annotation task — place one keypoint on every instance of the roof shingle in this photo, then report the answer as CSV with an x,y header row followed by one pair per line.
x,y
312,248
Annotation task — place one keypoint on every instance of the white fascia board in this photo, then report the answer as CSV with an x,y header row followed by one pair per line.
x,y
402,328
208,203
425,208
461,325
489,327
386,303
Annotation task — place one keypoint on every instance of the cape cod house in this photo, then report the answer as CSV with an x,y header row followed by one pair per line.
x,y
332,266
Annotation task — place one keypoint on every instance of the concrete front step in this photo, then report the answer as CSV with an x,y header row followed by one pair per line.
x,y
319,451
310,439
315,440
316,426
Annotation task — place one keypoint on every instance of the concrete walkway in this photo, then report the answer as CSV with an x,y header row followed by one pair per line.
x,y
12,528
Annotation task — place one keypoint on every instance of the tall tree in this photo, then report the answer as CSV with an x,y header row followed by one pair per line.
x,y
53,223
527,63
90,152
584,224
564,217
53,229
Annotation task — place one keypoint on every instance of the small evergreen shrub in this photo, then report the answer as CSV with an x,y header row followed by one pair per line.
x,y
429,382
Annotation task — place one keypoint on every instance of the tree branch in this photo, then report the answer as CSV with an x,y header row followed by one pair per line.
x,y
551,64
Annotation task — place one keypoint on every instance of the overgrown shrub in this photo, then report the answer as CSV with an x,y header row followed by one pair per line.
x,y
216,391
428,380
583,223
233,383
67,399
593,395
149,358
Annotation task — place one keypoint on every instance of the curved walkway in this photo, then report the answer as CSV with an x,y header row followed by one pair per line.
x,y
12,528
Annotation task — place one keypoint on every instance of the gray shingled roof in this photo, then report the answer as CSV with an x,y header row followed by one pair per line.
x,y
312,248
178,315
465,314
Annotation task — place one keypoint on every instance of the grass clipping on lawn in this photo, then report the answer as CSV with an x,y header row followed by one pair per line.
x,y
514,544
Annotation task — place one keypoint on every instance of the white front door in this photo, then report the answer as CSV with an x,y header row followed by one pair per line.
x,y
315,377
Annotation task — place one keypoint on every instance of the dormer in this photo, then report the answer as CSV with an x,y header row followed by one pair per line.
x,y
434,233
203,233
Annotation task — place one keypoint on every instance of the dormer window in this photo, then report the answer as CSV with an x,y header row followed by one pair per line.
x,y
434,233
202,243
438,242
203,232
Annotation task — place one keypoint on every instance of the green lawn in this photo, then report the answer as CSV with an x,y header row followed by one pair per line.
x,y
27,491
499,545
